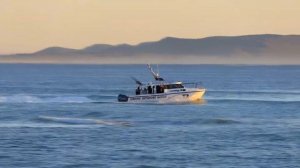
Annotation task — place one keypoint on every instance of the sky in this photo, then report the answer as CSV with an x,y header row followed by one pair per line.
x,y
31,25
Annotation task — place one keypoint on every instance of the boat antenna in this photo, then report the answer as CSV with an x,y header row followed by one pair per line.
x,y
155,75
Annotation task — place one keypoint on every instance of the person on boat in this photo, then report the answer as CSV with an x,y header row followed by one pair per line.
x,y
157,89
149,89
145,90
162,89
138,90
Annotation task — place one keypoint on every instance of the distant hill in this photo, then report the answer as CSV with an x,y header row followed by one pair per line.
x,y
246,49
55,51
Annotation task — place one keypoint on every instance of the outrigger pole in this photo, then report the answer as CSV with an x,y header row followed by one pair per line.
x,y
137,81
155,75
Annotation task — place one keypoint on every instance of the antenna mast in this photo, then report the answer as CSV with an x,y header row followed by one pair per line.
x,y
155,75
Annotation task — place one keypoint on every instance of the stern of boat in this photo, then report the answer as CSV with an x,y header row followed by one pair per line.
x,y
122,98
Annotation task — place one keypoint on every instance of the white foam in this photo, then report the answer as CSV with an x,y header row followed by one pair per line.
x,y
42,125
68,99
21,98
81,121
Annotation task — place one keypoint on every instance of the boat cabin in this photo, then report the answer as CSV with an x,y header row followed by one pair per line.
x,y
159,88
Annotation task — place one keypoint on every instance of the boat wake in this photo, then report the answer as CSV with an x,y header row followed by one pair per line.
x,y
220,121
82,121
21,98
202,121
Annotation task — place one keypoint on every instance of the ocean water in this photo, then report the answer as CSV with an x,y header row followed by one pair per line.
x,y
67,116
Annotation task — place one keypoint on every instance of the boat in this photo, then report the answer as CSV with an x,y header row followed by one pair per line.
x,y
161,91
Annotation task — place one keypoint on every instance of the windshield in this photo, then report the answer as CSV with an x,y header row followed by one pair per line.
x,y
173,86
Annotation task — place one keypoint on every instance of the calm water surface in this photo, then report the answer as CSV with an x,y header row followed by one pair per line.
x,y
67,116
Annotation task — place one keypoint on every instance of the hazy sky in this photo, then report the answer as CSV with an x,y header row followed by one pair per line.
x,y
30,25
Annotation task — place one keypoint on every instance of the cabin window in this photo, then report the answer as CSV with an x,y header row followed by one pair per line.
x,y
173,86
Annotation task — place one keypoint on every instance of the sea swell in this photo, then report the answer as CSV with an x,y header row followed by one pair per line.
x,y
106,97
253,96
256,91
258,99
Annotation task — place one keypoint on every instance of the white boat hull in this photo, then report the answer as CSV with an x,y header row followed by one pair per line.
x,y
190,95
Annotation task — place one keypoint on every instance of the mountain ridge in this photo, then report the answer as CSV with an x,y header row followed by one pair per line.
x,y
175,48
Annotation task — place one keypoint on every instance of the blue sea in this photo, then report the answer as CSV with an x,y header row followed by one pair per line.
x,y
67,116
